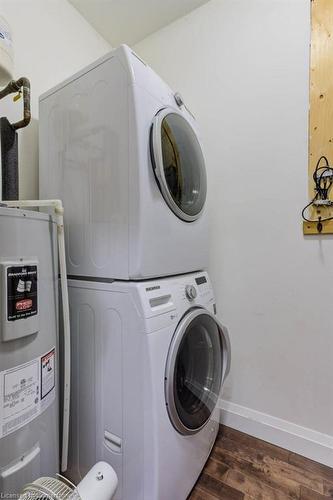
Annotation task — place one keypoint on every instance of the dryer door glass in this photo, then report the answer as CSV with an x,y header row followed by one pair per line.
x,y
179,164
195,371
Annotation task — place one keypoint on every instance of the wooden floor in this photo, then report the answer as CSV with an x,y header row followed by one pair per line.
x,y
241,467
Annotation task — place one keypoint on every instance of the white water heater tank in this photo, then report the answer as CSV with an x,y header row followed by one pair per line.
x,y
29,400
6,53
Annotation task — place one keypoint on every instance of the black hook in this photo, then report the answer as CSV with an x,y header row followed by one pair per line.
x,y
319,225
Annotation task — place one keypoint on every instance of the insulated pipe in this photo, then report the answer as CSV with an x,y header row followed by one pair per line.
x,y
59,211
13,87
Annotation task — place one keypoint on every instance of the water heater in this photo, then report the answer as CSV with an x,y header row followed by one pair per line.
x,y
29,426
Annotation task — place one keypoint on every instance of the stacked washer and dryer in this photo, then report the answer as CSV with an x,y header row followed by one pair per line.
x,y
149,354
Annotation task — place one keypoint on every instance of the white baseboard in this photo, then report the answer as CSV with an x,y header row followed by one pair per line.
x,y
307,442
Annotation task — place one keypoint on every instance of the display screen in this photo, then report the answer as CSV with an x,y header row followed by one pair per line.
x,y
200,280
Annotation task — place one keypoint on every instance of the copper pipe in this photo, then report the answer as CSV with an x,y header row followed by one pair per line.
x,y
13,87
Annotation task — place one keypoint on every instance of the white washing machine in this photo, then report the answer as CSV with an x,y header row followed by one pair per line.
x,y
122,151
149,362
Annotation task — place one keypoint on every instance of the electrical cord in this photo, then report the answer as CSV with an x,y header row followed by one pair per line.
x,y
323,183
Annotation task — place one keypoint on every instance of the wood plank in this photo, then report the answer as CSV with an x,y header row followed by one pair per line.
x,y
272,466
215,487
310,228
252,442
253,487
199,494
258,470
321,98
310,465
328,489
216,469
307,494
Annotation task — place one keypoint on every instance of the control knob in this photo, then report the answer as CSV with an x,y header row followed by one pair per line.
x,y
190,292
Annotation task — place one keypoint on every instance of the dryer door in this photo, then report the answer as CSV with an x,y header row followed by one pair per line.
x,y
198,362
178,164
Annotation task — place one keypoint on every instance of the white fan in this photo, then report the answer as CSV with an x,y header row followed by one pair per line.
x,y
101,482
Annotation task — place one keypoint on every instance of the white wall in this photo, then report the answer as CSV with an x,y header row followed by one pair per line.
x,y
51,41
242,67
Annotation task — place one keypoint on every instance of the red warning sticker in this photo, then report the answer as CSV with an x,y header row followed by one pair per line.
x,y
23,305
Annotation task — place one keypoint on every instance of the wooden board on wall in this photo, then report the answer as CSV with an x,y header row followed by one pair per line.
x,y
321,103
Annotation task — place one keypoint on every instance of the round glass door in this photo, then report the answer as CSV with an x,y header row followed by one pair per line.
x,y
198,362
178,164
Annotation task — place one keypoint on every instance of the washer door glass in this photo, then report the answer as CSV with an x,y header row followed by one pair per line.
x,y
178,164
195,371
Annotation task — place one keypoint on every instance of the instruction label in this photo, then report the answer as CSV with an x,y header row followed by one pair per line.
x,y
22,292
26,391
47,373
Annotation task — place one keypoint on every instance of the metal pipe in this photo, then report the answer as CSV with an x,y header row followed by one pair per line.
x,y
15,86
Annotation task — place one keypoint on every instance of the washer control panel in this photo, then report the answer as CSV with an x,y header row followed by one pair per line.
x,y
191,292
165,300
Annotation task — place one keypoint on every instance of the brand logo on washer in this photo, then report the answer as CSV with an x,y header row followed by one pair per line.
x,y
150,288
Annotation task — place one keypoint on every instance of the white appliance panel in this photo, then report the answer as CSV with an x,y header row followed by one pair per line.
x,y
95,156
122,332
29,425
84,161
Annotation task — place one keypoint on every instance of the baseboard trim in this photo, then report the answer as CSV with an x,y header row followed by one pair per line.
x,y
307,442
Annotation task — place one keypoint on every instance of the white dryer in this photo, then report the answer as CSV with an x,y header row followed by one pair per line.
x,y
149,361
122,151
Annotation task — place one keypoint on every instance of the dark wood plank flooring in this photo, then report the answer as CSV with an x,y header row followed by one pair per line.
x,y
242,467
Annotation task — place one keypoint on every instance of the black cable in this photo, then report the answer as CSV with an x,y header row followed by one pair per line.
x,y
323,185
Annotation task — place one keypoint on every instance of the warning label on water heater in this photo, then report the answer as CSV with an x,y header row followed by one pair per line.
x,y
22,293
26,391
47,373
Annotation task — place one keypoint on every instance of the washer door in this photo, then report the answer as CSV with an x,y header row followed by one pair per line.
x,y
198,362
178,164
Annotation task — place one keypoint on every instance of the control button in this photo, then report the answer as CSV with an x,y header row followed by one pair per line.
x,y
190,292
